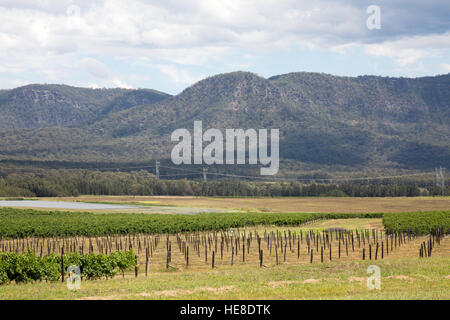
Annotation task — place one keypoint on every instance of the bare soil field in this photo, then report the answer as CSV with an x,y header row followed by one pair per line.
x,y
286,204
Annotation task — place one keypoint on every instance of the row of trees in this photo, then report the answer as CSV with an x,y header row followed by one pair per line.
x,y
76,182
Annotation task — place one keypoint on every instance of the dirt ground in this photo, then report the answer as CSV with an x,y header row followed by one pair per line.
x,y
287,204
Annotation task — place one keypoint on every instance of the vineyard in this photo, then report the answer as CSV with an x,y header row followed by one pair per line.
x,y
18,223
37,259
40,245
417,222
27,267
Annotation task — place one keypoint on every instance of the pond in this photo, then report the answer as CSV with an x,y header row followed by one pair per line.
x,y
104,206
62,205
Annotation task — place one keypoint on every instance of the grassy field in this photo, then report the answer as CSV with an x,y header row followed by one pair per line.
x,y
406,278
349,224
403,274
287,204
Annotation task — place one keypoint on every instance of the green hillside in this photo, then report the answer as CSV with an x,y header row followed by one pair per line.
x,y
324,120
42,106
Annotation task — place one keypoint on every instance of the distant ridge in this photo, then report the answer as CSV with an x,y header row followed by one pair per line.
x,y
323,119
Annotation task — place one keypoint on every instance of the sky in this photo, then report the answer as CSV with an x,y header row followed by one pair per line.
x,y
169,45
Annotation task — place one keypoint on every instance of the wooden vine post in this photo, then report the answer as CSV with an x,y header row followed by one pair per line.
x,y
62,265
136,266
146,262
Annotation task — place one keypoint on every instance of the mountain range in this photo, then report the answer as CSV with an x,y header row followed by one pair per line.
x,y
325,120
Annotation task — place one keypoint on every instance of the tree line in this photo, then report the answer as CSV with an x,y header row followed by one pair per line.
x,y
57,183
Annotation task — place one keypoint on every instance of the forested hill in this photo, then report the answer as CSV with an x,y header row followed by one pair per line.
x,y
42,106
324,120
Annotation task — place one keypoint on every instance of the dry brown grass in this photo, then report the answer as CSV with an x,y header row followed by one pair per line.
x,y
287,204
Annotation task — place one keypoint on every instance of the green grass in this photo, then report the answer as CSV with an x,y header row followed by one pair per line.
x,y
20,223
418,222
349,224
416,279
134,203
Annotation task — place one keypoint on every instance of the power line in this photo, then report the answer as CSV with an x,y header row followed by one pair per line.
x,y
157,169
442,179
175,175
309,179
325,179
439,175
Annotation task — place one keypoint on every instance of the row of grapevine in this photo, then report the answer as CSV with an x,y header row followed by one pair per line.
x,y
417,222
27,267
19,223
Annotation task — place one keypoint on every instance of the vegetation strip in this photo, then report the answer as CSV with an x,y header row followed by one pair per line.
x,y
417,222
18,223
26,267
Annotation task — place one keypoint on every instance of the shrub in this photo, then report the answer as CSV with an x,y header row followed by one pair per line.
x,y
27,267
19,223
417,222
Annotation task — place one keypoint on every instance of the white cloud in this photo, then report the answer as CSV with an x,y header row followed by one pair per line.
x,y
409,50
48,37
446,67
93,86
178,75
403,56
95,67
343,48
158,27
118,83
